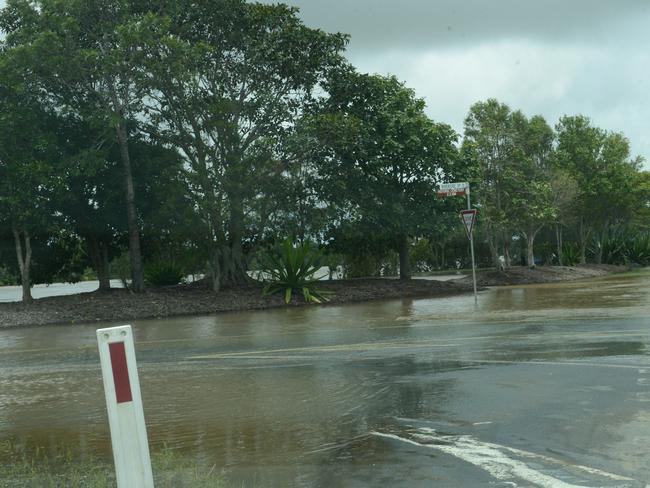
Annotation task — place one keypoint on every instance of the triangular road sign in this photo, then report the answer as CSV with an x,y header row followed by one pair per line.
x,y
468,217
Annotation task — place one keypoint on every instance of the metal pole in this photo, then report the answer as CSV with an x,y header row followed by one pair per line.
x,y
471,246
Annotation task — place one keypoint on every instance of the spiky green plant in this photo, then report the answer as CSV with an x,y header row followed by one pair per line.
x,y
638,249
570,255
614,245
291,270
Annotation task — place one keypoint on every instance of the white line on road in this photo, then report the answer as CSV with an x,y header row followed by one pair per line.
x,y
493,459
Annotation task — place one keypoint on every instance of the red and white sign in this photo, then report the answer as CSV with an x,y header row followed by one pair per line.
x,y
453,189
469,218
124,406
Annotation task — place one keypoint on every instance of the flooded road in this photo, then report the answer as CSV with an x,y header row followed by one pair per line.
x,y
540,385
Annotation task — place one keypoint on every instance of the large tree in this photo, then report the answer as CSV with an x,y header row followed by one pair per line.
x,y
226,81
512,157
380,158
74,50
533,203
605,175
489,146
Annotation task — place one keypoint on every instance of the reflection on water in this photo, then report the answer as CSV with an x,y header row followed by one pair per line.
x,y
292,397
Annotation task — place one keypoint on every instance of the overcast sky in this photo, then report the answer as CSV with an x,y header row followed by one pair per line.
x,y
550,57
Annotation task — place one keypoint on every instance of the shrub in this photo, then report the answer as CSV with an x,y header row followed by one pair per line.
x,y
6,278
614,246
163,273
570,255
291,270
422,257
362,266
638,249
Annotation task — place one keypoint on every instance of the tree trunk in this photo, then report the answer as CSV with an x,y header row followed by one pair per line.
x,y
233,264
558,238
135,254
493,252
530,253
215,271
24,262
98,253
601,237
404,263
104,271
583,235
599,249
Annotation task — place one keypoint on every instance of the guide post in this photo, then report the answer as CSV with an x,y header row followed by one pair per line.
x,y
124,406
468,217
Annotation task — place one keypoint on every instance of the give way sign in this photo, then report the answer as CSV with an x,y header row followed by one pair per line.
x,y
468,217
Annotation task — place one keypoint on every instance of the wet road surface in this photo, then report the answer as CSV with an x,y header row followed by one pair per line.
x,y
541,385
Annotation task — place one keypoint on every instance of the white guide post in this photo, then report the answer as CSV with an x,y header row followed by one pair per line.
x,y
124,405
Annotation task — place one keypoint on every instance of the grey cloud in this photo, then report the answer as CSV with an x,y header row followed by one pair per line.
x,y
551,57
421,24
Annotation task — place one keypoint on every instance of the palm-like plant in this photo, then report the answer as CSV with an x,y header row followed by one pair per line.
x,y
292,271
638,250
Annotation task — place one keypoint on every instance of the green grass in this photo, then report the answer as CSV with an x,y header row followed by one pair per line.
x,y
21,468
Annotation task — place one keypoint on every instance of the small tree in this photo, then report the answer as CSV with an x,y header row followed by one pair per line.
x,y
26,149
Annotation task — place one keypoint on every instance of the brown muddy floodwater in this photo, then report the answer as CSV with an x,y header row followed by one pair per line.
x,y
539,385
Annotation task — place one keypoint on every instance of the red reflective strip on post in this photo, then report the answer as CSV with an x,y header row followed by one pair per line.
x,y
120,372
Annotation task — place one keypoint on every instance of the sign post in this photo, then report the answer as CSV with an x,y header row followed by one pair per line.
x,y
124,406
468,217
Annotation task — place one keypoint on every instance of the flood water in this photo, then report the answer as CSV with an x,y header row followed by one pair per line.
x,y
540,385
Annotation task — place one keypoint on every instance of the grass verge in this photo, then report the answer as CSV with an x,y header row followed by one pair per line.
x,y
36,468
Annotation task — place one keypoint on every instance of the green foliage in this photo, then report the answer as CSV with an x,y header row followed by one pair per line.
x,y
606,177
512,157
380,157
291,271
163,273
422,255
570,255
622,245
611,247
361,266
228,79
7,278
243,125
638,249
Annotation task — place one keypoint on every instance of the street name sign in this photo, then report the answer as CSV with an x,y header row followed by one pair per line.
x,y
453,189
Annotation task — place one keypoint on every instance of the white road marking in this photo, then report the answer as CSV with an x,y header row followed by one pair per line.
x,y
494,459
